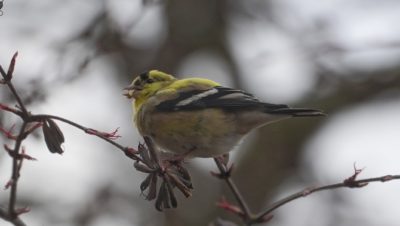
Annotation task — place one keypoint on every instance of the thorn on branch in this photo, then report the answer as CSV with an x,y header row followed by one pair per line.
x,y
351,182
113,135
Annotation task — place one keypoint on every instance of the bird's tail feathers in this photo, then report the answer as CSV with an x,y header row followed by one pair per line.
x,y
296,112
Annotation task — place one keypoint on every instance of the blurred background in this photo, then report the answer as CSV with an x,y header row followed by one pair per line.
x,y
342,56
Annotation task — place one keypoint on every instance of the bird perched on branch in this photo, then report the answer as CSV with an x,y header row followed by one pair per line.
x,y
197,117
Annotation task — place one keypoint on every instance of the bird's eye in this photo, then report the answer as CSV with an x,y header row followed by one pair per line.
x,y
149,80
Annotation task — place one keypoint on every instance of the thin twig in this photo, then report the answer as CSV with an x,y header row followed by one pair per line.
x,y
20,104
239,198
7,79
12,215
15,221
12,110
308,191
15,171
85,129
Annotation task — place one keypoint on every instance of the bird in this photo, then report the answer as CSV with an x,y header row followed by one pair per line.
x,y
197,117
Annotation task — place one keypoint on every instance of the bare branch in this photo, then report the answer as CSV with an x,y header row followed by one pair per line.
x,y
15,172
308,191
15,221
7,80
243,210
130,152
225,175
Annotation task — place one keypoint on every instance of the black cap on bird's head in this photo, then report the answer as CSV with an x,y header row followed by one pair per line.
x,y
146,79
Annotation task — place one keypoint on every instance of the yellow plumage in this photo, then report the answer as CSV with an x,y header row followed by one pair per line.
x,y
198,117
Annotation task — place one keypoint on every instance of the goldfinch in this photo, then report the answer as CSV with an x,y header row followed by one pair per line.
x,y
197,117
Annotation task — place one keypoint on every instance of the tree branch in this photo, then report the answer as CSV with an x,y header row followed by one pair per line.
x,y
130,152
7,80
308,191
174,175
15,172
147,161
15,221
13,214
243,210
225,174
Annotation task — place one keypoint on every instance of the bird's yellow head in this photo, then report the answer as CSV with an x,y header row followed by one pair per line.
x,y
146,84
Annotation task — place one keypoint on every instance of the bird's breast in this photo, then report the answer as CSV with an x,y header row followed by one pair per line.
x,y
204,133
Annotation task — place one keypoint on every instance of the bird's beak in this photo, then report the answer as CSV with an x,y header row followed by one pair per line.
x,y
131,91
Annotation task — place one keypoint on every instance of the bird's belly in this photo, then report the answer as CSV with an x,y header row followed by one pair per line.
x,y
207,133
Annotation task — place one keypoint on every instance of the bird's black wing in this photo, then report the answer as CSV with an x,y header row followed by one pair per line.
x,y
217,97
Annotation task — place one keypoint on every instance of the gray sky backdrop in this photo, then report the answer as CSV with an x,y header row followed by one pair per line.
x,y
76,56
